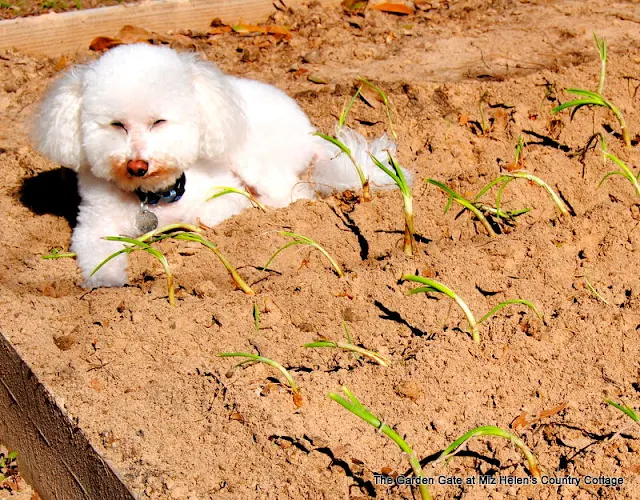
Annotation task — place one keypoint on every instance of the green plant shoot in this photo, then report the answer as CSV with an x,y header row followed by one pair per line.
x,y
364,180
347,346
386,101
8,466
437,287
299,239
255,358
223,190
345,112
503,180
433,286
626,409
469,205
237,279
57,253
490,430
624,170
353,405
179,231
395,172
138,244
589,98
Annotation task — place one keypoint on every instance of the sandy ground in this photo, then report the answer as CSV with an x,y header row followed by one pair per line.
x,y
143,379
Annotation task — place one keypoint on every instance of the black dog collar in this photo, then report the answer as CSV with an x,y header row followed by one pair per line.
x,y
174,193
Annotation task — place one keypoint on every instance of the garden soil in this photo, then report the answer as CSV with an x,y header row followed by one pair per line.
x,y
466,79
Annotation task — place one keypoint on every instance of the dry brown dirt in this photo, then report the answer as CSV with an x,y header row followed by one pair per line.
x,y
143,379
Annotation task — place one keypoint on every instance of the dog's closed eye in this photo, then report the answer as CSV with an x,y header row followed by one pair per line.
x,y
157,123
116,124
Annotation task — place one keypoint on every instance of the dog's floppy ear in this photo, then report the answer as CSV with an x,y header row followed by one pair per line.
x,y
55,128
222,121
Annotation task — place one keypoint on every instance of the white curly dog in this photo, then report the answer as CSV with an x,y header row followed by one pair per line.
x,y
151,131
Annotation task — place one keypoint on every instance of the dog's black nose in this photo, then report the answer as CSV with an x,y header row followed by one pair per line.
x,y
137,168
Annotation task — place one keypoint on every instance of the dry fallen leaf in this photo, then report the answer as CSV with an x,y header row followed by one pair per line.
x,y
354,5
134,34
104,43
525,420
393,8
370,96
218,30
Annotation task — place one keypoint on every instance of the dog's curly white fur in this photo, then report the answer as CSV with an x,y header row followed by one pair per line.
x,y
141,116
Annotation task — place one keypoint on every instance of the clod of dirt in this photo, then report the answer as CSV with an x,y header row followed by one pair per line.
x,y
313,57
250,54
65,342
409,389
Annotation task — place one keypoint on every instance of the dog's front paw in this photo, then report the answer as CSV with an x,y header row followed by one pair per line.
x,y
110,274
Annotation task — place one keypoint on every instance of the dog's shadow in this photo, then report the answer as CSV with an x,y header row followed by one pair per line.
x,y
52,192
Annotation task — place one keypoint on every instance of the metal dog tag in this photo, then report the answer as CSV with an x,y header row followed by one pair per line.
x,y
145,220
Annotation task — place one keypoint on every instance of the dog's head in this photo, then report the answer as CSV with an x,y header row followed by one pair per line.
x,y
139,116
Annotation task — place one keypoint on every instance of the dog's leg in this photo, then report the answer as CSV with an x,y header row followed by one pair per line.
x,y
91,248
279,144
104,211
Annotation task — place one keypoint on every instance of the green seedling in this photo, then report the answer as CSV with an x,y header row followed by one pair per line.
x,y
383,97
256,317
347,335
595,293
348,346
255,358
223,190
179,231
490,430
519,152
353,405
433,286
138,244
626,409
469,205
395,172
364,180
589,98
237,279
624,170
387,104
503,181
299,239
57,253
8,465
347,109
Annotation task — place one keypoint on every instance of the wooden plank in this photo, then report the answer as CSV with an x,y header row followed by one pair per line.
x,y
70,32
55,457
